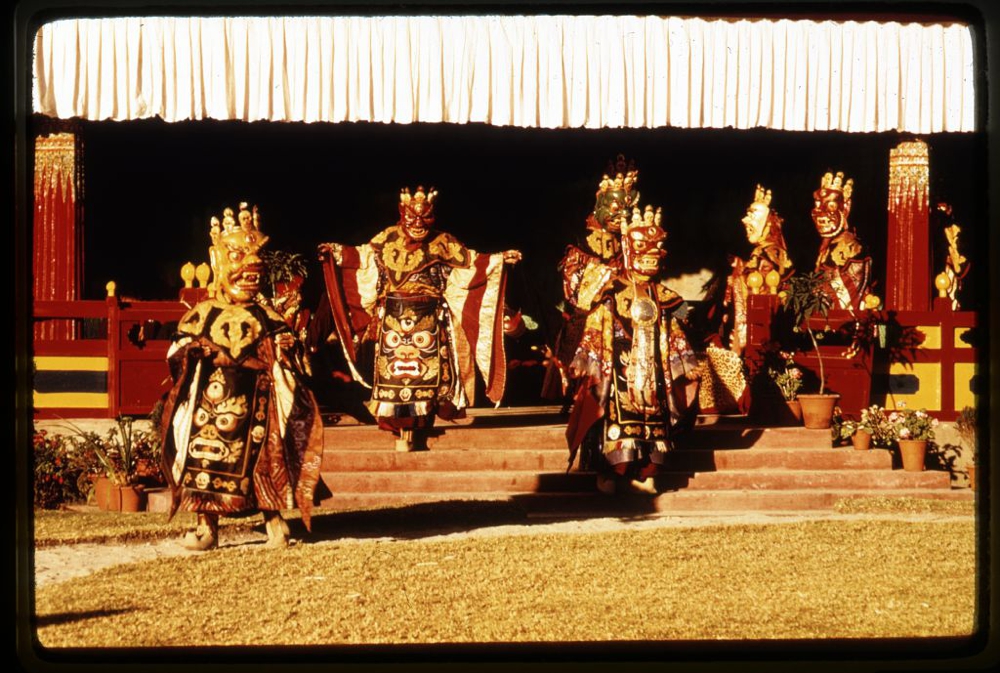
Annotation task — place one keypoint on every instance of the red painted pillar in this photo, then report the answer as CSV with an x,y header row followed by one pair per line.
x,y
58,255
908,263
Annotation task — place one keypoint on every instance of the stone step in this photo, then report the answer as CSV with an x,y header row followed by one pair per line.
x,y
448,437
483,435
461,460
480,481
550,460
722,464
733,435
530,481
704,460
873,480
554,505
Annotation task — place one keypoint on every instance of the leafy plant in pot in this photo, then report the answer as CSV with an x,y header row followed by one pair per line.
x,y
912,428
858,433
787,377
804,296
117,461
286,272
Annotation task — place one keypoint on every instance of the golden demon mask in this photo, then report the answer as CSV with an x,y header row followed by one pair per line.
x,y
616,196
832,204
643,241
234,255
416,212
409,346
757,215
219,421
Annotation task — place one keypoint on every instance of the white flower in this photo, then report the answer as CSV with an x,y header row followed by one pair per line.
x,y
904,433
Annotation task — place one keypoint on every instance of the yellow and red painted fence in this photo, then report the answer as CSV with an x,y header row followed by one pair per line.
x,y
112,362
918,359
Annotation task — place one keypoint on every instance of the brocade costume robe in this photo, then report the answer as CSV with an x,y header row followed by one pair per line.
x,y
847,271
585,269
639,374
434,310
241,431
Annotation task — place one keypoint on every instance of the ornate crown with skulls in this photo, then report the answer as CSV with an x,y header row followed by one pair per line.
x,y
236,239
643,239
616,193
835,186
418,204
238,231
834,190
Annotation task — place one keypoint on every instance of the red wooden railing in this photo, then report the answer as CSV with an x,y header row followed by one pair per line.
x,y
136,336
133,335
864,376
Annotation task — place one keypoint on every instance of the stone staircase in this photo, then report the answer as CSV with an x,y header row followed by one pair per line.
x,y
520,456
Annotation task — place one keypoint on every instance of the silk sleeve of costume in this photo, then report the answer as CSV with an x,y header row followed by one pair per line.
x,y
593,356
584,277
352,288
475,299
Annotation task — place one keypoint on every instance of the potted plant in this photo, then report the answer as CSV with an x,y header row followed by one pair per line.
x,y
788,379
849,431
875,420
286,272
965,425
117,461
805,296
912,429
861,435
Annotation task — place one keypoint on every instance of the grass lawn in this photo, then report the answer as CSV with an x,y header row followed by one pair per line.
x,y
861,578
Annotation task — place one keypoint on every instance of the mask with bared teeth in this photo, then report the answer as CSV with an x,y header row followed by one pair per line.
x,y
234,255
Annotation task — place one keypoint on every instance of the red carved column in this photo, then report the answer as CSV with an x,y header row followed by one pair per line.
x,y
908,262
57,264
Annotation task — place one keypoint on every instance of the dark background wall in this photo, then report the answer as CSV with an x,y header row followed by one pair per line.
x,y
151,188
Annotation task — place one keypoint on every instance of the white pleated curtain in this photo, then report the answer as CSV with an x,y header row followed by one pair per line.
x,y
529,71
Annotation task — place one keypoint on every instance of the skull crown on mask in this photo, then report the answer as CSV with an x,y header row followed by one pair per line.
x,y
832,204
416,212
234,255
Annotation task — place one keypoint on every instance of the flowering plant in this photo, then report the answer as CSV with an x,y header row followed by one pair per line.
x,y
59,472
124,454
788,378
875,421
912,424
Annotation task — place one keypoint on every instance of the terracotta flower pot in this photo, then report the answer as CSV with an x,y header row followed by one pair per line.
x,y
774,410
101,486
913,452
817,410
794,412
862,440
113,498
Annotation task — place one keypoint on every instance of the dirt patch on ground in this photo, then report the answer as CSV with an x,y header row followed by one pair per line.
x,y
66,562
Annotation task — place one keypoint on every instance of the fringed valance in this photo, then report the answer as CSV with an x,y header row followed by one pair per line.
x,y
530,71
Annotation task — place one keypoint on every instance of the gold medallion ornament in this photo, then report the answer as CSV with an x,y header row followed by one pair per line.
x,y
643,311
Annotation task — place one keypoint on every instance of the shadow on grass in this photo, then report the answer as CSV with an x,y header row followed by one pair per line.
x,y
422,520
70,617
